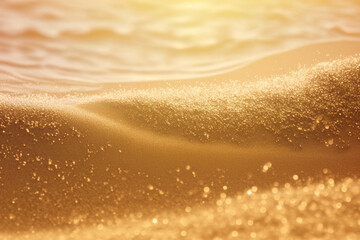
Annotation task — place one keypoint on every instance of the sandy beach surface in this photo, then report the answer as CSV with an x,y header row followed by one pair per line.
x,y
267,151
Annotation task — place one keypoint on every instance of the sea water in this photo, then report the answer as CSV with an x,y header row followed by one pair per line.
x,y
78,45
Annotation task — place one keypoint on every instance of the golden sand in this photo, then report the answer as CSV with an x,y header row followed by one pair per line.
x,y
270,157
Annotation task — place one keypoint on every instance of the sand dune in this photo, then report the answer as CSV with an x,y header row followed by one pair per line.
x,y
150,150
311,105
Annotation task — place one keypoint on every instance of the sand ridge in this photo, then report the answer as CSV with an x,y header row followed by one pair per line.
x,y
318,105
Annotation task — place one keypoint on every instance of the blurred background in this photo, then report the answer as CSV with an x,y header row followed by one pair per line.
x,y
51,45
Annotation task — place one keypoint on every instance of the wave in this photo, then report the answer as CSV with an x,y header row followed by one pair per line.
x,y
346,31
95,33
